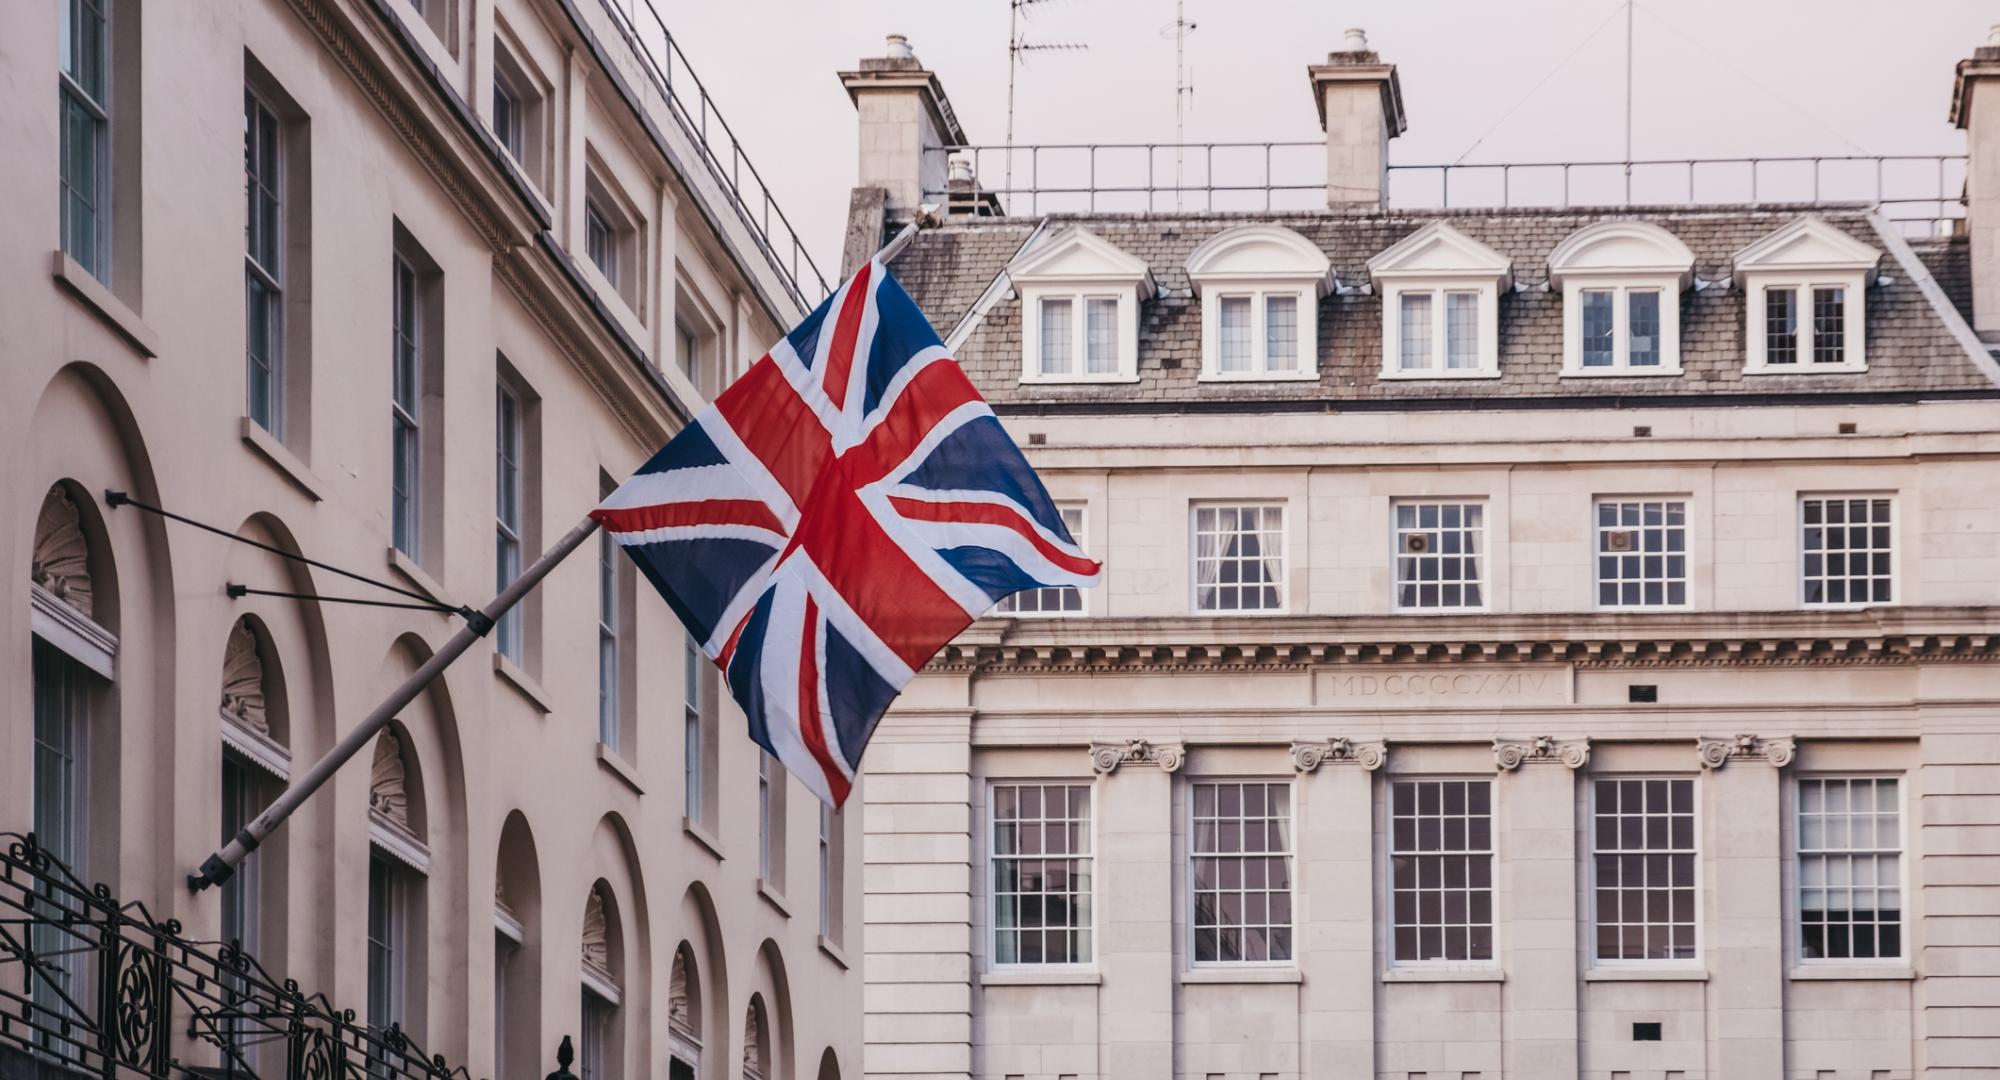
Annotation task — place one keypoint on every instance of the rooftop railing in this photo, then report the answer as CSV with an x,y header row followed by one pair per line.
x,y
721,152
1920,193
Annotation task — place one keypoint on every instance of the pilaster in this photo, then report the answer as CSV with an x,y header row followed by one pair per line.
x,y
1135,800
1745,919
1536,800
1337,905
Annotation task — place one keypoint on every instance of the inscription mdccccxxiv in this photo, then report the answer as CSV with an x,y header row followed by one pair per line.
x,y
1542,685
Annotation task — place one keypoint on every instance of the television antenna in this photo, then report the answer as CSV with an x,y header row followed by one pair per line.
x,y
1179,30
1018,49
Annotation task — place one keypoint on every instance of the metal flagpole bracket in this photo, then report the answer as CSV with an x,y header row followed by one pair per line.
x,y
221,866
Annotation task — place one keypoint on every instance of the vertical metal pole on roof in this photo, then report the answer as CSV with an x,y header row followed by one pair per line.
x,y
1565,169
1506,185
1753,180
1267,178
1816,164
1208,174
1150,189
1093,179
1628,101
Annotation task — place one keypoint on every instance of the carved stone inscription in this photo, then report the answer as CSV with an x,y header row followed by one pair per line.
x,y
1447,686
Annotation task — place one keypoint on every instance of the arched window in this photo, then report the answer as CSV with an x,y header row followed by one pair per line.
x,y
71,613
756,1040
517,950
398,865
684,1015
256,764
603,1050
1621,285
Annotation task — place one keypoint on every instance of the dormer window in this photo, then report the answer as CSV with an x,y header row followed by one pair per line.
x,y
1080,299
1440,294
1260,287
1621,283
1803,288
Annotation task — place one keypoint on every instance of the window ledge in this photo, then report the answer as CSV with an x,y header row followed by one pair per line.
x,y
416,575
1807,369
1228,976
619,767
774,898
834,953
512,674
1645,974
1055,976
1077,380
1439,376
280,457
702,836
1619,373
1258,376
1852,972
1433,975
99,297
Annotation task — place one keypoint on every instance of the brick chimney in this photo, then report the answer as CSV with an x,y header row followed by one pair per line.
x,y
1975,106
1361,108
906,122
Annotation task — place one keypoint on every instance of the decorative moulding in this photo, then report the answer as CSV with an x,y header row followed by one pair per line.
x,y
73,632
1715,753
243,680
1105,757
596,944
60,564
257,748
1511,754
1307,756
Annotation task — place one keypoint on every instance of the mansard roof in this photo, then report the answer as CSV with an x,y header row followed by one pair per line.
x,y
1918,343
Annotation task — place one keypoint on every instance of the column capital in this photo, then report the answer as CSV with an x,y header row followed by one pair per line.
x,y
1307,756
1511,754
1105,757
1715,753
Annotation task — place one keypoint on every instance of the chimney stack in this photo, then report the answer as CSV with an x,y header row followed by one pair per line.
x,y
1975,106
1361,108
906,123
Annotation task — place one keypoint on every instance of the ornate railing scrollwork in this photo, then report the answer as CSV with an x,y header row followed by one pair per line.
x,y
90,985
1511,754
1105,757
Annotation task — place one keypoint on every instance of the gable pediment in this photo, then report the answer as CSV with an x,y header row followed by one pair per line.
x,y
1615,248
1260,253
1081,256
1438,250
1806,243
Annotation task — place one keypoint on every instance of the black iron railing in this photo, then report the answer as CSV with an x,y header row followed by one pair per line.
x,y
91,985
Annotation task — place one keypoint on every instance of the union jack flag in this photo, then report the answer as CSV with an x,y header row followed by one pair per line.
x,y
834,519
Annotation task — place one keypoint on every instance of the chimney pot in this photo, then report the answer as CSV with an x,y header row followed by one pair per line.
x,y
1357,39
961,170
899,48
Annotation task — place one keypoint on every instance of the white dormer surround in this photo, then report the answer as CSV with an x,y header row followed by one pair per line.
x,y
1080,299
1440,293
1805,298
1621,283
1260,287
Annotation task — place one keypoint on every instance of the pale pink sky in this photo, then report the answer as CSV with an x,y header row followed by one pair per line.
x,y
1714,78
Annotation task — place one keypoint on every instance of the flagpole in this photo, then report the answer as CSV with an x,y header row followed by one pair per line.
x,y
220,866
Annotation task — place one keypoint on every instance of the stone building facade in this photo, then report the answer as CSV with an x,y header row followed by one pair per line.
x,y
399,286
1533,643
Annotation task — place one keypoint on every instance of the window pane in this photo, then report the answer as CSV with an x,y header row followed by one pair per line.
x,y
1644,858
1599,346
1041,889
1641,549
1239,560
1240,854
1642,323
1781,326
1058,600
1848,559
1234,334
1461,330
1850,868
1441,877
1281,333
1415,331
1829,336
1057,333
1439,549
1101,357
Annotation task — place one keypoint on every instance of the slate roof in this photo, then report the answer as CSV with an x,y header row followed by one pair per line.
x,y
1911,347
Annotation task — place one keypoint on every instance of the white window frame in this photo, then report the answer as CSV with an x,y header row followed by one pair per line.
x,y
1284,582
1290,855
1695,962
1260,293
1854,319
1622,288
1896,580
1009,605
1904,957
1597,552
992,935
510,459
1487,349
1496,923
1079,297
1485,555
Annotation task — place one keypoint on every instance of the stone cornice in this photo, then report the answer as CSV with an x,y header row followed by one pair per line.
x,y
1884,636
